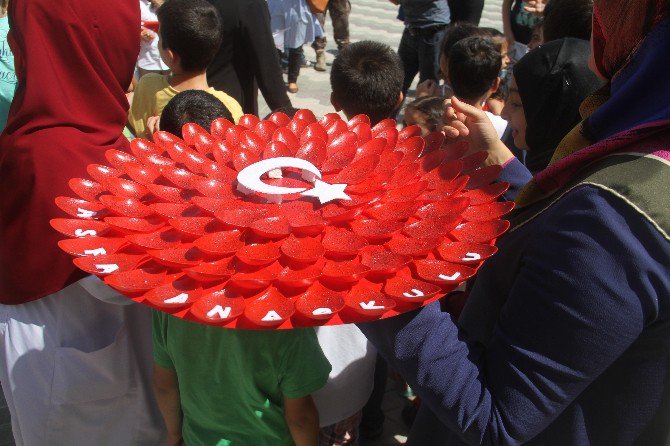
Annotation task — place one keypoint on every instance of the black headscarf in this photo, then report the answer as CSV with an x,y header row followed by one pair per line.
x,y
553,80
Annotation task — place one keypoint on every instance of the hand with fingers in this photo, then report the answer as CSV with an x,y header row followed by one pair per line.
x,y
535,7
462,120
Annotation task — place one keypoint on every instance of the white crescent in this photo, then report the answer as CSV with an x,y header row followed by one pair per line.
x,y
249,178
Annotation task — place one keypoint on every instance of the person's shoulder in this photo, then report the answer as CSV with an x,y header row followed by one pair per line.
x,y
152,82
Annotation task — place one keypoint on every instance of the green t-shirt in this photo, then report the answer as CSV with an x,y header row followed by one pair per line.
x,y
8,79
232,382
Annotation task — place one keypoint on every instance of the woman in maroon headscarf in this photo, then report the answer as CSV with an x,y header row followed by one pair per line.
x,y
69,371
565,338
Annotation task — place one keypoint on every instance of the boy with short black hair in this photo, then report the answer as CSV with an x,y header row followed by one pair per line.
x,y
474,73
216,386
195,106
366,77
190,35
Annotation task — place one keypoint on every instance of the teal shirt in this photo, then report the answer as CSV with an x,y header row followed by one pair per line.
x,y
8,79
232,382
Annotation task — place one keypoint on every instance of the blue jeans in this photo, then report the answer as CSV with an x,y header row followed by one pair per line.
x,y
419,51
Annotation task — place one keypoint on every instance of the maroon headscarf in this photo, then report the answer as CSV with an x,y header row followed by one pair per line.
x,y
74,63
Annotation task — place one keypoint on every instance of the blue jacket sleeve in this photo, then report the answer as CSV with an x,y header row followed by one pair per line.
x,y
590,282
517,175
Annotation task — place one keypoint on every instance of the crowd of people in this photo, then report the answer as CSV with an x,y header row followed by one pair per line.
x,y
562,338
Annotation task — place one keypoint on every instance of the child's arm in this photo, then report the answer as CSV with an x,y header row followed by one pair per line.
x,y
302,419
166,388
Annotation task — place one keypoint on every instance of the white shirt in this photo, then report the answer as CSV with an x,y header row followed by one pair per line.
x,y
499,123
149,58
351,379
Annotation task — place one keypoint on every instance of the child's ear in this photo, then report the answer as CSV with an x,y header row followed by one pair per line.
x,y
335,103
174,57
401,97
496,85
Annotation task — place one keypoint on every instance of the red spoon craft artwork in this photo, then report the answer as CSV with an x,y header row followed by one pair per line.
x,y
285,222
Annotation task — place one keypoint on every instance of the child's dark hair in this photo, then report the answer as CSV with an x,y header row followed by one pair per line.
x,y
496,36
474,65
568,18
196,106
192,30
432,107
459,31
367,77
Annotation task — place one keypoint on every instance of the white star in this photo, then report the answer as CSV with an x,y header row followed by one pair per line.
x,y
327,192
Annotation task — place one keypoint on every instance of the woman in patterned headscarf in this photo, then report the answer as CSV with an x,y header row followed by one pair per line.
x,y
565,338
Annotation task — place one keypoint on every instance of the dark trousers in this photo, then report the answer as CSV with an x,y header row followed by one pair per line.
x,y
294,63
419,51
466,10
339,14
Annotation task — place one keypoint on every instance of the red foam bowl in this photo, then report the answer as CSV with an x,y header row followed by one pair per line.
x,y
408,289
212,271
132,224
301,278
319,303
382,261
465,253
270,309
103,265
344,272
82,209
392,210
488,211
368,303
185,255
448,208
376,230
304,249
86,189
431,227
271,227
259,254
79,228
480,231
196,226
218,307
240,218
92,246
440,272
174,296
100,173
256,280
126,207
161,239
137,280
125,188
407,246
343,242
486,194
174,210
223,242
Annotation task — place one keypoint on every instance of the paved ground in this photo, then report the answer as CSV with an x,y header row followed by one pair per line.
x,y
371,20
374,20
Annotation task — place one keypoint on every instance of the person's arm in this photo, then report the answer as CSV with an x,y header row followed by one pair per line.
x,y
302,419
517,175
507,22
462,120
263,55
166,389
585,290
